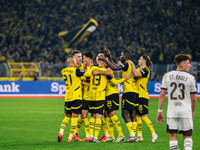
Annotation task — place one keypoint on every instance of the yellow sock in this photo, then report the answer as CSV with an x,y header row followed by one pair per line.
x,y
91,126
64,123
139,126
110,126
129,126
103,126
79,123
97,128
86,127
148,124
116,121
73,127
134,127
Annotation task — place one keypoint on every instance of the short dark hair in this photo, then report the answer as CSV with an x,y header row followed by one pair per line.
x,y
104,54
181,57
127,54
75,52
89,54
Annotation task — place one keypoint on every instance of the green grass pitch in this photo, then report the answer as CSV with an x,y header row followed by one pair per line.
x,y
34,123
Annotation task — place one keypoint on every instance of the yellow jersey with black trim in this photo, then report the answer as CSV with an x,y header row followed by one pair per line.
x,y
130,84
111,87
81,66
86,86
72,78
142,81
97,85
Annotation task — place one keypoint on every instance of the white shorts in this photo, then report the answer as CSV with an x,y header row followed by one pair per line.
x,y
180,125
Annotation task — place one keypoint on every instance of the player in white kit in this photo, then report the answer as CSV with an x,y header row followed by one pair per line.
x,y
181,102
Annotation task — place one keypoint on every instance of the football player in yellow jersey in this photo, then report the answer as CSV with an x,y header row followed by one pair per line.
x,y
112,104
130,94
97,95
76,54
142,75
87,58
73,97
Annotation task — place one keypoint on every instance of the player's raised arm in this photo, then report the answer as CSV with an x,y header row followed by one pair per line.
x,y
110,65
109,55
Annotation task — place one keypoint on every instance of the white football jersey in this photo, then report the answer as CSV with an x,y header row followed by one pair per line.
x,y
179,85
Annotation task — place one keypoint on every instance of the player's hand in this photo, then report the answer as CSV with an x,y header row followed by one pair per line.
x,y
119,62
130,62
159,118
107,52
126,77
95,72
192,115
84,66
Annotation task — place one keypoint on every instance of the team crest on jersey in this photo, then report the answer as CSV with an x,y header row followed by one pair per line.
x,y
122,65
142,71
109,104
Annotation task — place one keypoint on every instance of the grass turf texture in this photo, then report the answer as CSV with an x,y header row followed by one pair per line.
x,y
34,124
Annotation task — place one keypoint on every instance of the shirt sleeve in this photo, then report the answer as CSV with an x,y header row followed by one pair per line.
x,y
144,72
115,82
193,86
109,77
164,83
124,66
79,73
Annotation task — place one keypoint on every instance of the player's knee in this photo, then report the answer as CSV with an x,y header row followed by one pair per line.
x,y
112,113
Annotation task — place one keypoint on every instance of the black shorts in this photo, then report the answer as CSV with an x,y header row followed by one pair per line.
x,y
112,102
129,101
96,107
74,106
143,108
86,105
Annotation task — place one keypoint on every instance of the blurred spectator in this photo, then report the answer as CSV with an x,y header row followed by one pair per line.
x,y
2,58
36,76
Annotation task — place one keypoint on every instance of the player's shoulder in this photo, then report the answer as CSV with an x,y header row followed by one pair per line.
x,y
170,72
68,69
188,75
146,69
63,70
81,66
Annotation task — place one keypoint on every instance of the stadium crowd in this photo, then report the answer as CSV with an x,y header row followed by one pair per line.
x,y
29,29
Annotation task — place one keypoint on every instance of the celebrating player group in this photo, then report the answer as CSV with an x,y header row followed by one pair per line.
x,y
91,88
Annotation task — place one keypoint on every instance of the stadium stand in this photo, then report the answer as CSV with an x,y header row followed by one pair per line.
x,y
29,29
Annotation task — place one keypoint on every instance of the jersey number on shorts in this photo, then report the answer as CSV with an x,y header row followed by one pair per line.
x,y
180,87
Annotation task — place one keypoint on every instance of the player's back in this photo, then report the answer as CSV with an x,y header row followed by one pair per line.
x,y
98,84
72,83
130,84
141,83
180,85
